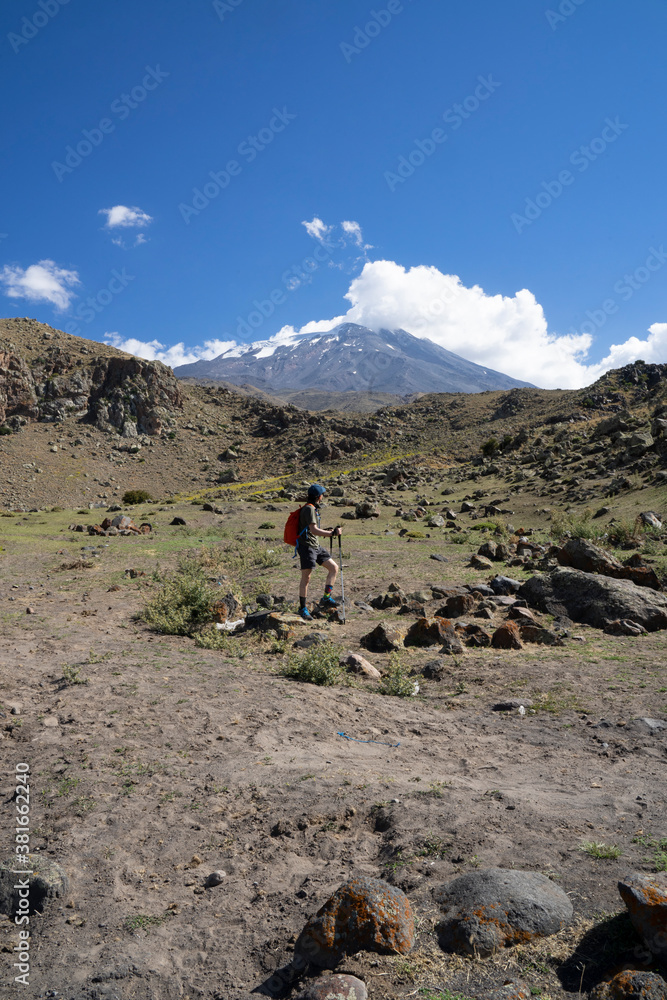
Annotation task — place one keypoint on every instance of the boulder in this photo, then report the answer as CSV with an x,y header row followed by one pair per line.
x,y
364,914
359,665
507,636
451,645
457,605
48,881
504,585
646,899
436,521
476,636
631,984
579,553
480,562
365,509
339,987
495,908
282,623
390,599
623,626
383,638
430,632
595,600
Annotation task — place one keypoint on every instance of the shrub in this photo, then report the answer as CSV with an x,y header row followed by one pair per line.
x,y
599,851
489,447
211,637
5,430
396,681
136,496
182,603
575,527
318,665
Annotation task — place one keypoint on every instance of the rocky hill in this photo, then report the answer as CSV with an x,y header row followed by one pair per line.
x,y
350,358
81,422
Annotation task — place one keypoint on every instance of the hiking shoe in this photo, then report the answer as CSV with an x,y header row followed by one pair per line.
x,y
328,602
305,614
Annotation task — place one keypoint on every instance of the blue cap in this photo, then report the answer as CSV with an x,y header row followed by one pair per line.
x,y
315,491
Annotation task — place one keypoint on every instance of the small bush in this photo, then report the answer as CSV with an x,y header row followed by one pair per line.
x,y
396,681
576,527
318,665
211,637
182,603
490,447
72,675
596,850
5,430
266,525
136,496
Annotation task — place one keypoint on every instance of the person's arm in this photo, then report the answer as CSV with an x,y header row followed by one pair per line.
x,y
325,532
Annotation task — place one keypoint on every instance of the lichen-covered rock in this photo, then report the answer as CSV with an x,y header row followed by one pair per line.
x,y
364,914
646,899
48,881
507,637
581,554
335,988
457,605
430,632
632,985
496,908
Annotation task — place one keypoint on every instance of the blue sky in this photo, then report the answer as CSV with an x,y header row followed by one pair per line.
x,y
499,167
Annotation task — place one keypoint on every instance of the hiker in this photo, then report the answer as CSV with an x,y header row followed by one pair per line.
x,y
311,552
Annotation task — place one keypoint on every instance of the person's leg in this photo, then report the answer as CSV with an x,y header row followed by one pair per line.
x,y
332,572
303,587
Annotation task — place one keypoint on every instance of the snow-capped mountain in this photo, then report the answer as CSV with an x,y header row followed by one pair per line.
x,y
349,358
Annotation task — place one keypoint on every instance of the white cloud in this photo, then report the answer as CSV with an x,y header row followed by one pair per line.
x,y
353,229
506,333
317,229
124,217
41,282
178,354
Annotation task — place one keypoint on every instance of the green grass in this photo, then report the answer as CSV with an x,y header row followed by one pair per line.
x,y
600,851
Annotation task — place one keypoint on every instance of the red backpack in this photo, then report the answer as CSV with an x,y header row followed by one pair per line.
x,y
291,532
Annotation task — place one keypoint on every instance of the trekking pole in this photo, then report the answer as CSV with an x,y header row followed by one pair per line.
x,y
342,580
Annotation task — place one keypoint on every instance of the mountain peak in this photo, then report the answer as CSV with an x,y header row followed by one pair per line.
x,y
349,357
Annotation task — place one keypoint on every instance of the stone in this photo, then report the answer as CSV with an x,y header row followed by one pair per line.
x,y
365,510
504,585
631,984
488,549
363,914
595,600
467,507
47,882
178,521
579,553
623,626
511,704
480,562
227,608
339,987
264,600
507,637
451,645
215,878
524,616
476,636
311,639
646,899
282,623
542,636
390,599
383,638
429,632
457,605
495,908
436,521
359,665
435,670
438,557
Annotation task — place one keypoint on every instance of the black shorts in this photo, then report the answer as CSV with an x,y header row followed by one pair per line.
x,y
311,556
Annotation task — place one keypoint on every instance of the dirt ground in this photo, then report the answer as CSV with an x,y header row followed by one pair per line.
x,y
154,762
